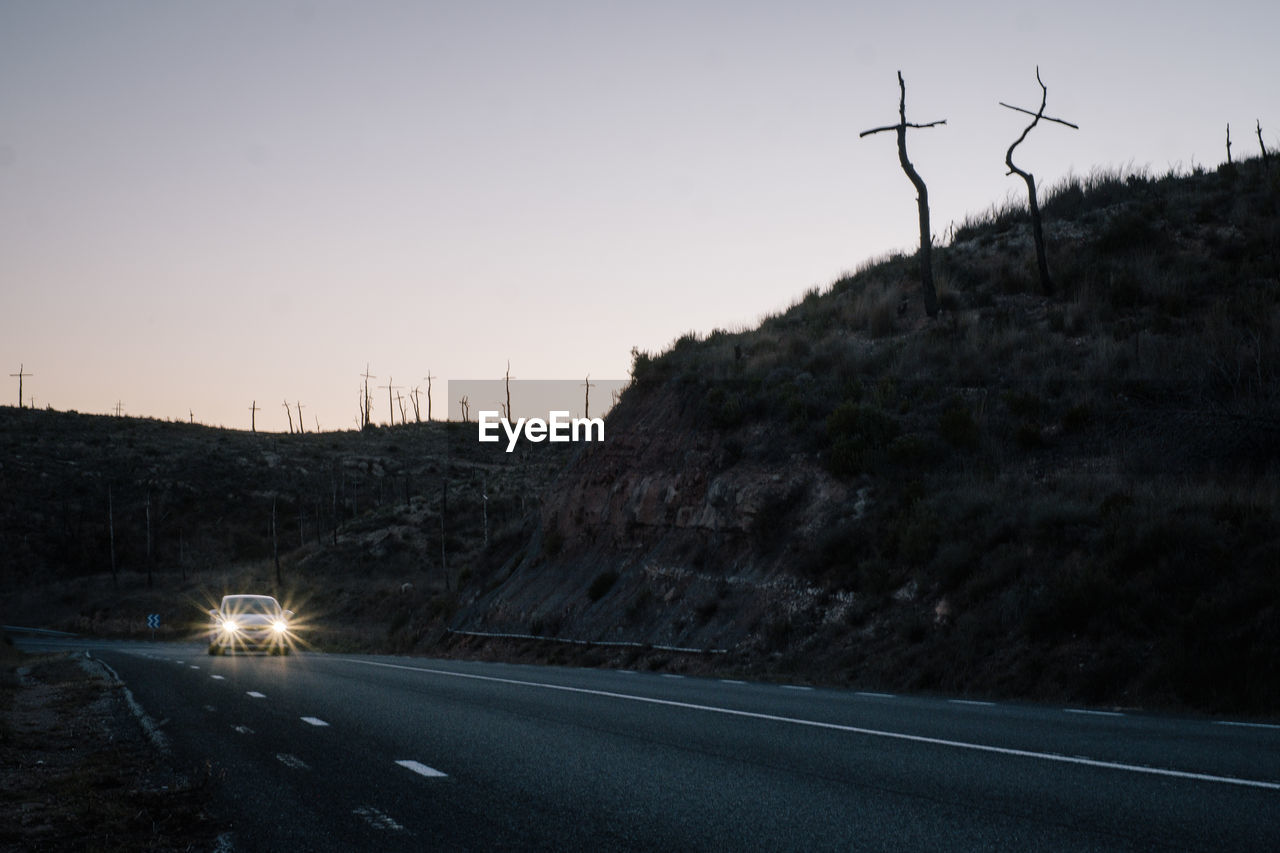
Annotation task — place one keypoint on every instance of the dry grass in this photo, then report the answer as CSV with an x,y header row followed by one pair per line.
x,y
77,774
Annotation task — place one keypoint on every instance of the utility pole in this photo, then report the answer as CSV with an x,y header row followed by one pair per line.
x,y
119,408
22,372
253,416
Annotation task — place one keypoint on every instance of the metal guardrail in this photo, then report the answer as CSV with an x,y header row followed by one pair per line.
x,y
570,641
47,632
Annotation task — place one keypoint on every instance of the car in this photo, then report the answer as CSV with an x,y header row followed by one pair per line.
x,y
244,622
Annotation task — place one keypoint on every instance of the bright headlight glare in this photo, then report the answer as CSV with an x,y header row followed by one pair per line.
x,y
229,625
279,626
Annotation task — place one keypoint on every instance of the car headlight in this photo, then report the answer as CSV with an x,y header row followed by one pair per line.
x,y
229,625
279,626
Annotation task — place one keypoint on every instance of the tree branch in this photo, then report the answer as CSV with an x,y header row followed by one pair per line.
x,y
1046,118
896,126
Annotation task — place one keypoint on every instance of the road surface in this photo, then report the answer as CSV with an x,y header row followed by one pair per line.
x,y
350,752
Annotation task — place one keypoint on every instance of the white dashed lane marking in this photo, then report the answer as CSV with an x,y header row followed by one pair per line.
x,y
970,702
244,730
874,695
314,721
731,681
217,678
796,687
421,769
1247,725
256,695
377,819
292,761
1093,713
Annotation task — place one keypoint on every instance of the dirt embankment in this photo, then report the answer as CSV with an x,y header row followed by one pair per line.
x,y
76,771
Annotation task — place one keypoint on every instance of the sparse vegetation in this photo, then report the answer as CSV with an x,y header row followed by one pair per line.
x,y
1051,497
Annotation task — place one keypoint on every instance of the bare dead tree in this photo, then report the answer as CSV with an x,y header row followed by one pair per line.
x,y
367,405
508,387
302,430
428,377
19,375
465,404
587,385
415,396
391,404
148,537
1037,228
111,533
275,543
922,195
1266,158
1229,143
404,419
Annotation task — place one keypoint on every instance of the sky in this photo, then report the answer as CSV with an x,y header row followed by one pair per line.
x,y
210,205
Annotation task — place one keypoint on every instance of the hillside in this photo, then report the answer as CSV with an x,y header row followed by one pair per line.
x,y
1067,496
188,512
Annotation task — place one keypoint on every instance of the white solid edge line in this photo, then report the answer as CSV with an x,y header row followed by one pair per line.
x,y
731,681
1093,713
420,768
978,747
970,702
796,687
314,721
1246,725
875,695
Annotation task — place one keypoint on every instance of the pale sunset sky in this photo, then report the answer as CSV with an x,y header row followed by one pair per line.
x,y
204,204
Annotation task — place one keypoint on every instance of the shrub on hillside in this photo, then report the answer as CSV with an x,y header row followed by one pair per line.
x,y
859,435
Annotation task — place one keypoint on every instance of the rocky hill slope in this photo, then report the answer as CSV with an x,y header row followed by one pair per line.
x,y
1066,495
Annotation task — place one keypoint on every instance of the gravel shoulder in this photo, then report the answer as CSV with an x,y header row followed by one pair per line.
x,y
78,772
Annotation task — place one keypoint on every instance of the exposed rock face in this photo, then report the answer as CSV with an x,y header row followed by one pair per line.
x,y
660,536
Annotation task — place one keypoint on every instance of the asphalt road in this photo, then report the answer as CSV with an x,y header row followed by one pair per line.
x,y
359,752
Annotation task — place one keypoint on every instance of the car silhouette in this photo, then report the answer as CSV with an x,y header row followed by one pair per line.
x,y
250,622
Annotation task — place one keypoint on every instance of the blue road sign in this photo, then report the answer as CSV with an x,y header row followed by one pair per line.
x,y
153,620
